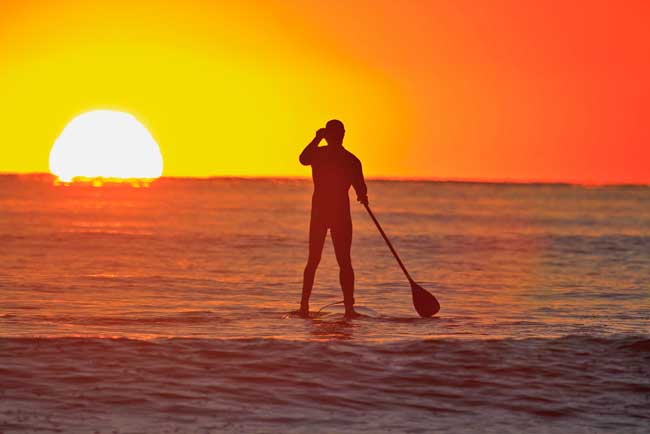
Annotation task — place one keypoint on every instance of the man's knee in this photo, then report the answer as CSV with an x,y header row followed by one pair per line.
x,y
345,262
312,262
343,257
346,268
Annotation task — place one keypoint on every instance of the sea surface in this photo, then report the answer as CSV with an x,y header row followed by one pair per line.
x,y
161,309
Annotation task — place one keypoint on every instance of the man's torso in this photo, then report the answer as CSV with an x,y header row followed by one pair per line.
x,y
333,170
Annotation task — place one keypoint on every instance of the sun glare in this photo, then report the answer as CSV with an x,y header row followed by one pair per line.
x,y
106,145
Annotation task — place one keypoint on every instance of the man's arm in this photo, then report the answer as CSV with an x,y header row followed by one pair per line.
x,y
359,183
307,155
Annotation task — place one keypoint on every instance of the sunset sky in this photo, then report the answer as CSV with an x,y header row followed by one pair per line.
x,y
495,90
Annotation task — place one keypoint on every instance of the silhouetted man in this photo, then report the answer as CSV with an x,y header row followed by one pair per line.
x,y
334,170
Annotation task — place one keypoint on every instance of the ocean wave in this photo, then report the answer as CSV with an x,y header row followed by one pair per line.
x,y
421,385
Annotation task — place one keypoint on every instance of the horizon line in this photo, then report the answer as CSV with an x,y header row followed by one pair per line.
x,y
380,178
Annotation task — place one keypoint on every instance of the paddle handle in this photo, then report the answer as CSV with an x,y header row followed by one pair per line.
x,y
390,246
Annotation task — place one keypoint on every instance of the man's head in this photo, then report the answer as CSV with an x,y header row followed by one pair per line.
x,y
334,132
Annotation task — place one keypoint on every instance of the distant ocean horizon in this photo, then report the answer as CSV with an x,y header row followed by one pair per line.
x,y
386,178
162,309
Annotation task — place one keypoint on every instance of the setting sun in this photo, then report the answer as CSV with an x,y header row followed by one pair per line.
x,y
105,144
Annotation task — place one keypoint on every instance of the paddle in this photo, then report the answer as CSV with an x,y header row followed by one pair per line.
x,y
424,302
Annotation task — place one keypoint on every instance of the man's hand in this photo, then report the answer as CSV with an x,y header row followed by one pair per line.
x,y
320,134
363,200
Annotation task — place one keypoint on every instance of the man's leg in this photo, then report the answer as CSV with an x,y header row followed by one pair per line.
x,y
317,234
342,239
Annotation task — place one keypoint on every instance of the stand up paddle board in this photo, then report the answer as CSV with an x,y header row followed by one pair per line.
x,y
337,312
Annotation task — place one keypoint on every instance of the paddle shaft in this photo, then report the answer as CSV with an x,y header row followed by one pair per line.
x,y
390,246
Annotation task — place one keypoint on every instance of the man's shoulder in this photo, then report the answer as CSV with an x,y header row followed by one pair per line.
x,y
353,158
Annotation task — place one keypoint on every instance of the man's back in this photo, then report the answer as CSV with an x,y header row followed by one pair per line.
x,y
334,170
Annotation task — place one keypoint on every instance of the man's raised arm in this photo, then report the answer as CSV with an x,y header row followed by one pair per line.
x,y
307,154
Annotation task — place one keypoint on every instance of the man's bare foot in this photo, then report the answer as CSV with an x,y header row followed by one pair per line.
x,y
351,314
303,312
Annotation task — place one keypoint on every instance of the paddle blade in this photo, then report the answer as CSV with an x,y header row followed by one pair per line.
x,y
424,302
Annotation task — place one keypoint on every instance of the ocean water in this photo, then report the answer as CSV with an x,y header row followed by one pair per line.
x,y
161,309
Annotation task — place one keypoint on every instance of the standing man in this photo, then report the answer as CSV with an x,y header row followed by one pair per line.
x,y
334,170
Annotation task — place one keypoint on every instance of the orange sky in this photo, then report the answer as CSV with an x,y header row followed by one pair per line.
x,y
553,91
